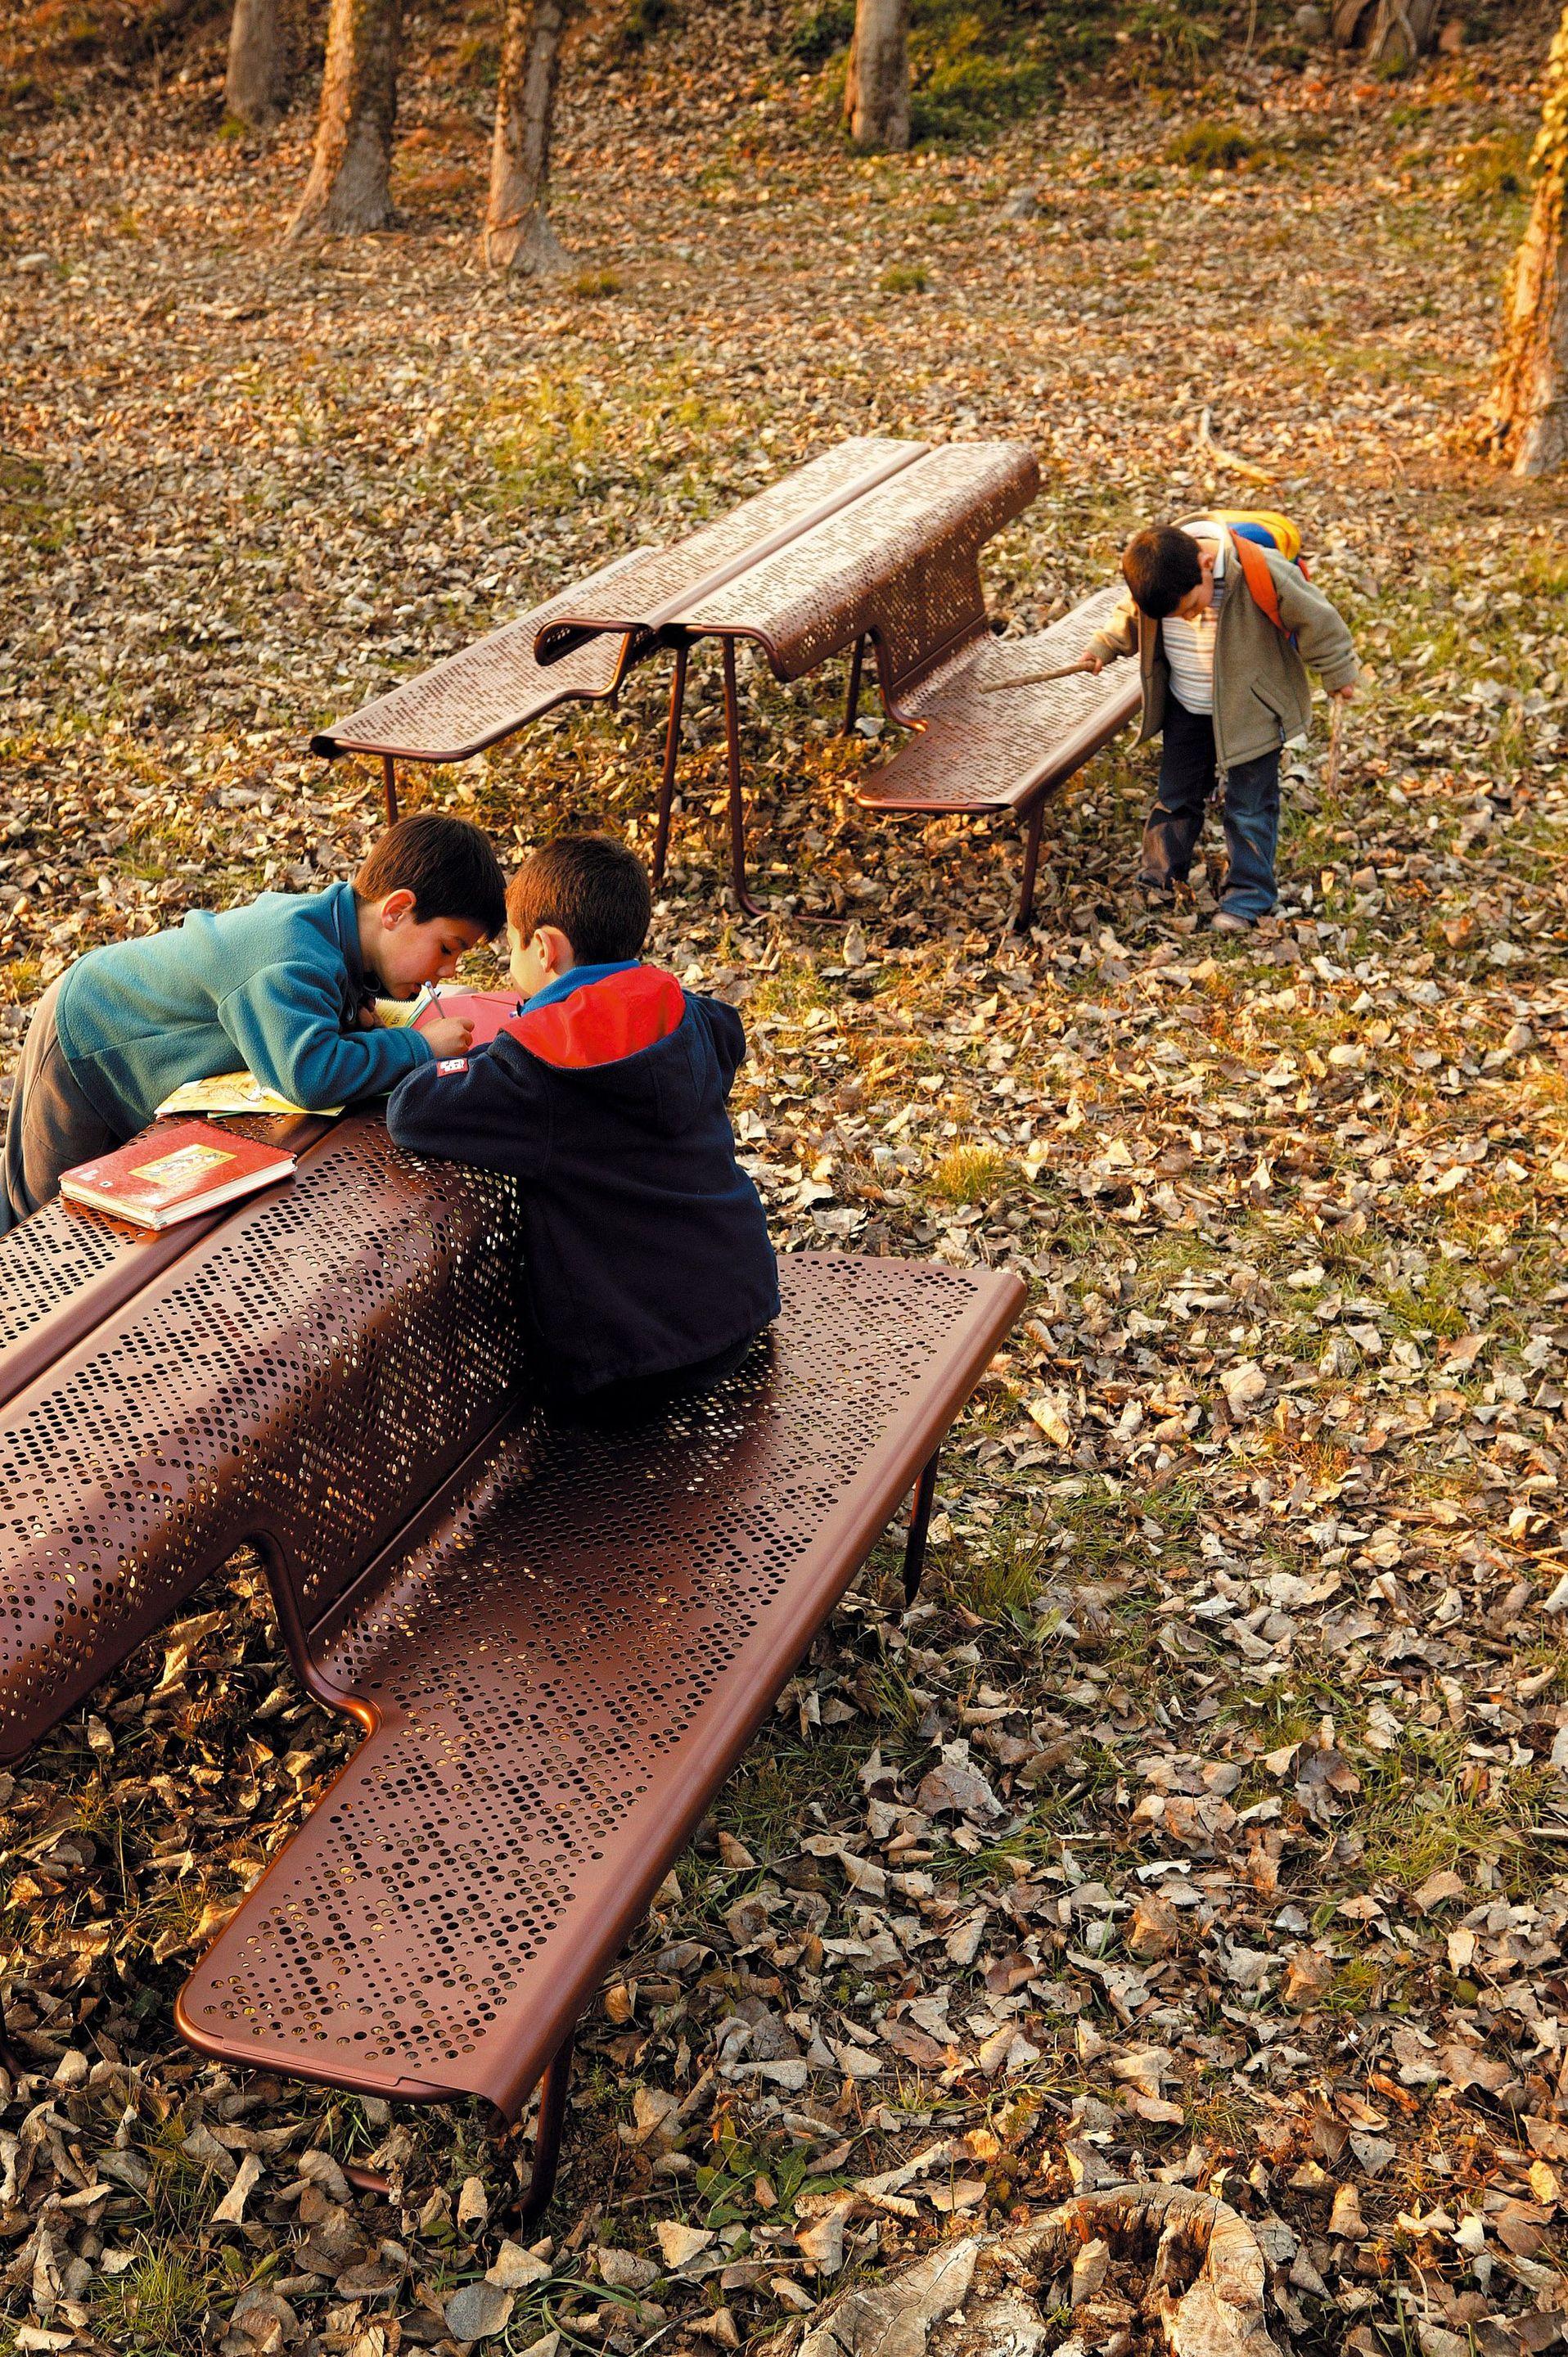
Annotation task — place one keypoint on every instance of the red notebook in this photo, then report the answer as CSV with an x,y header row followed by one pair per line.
x,y
487,1010
173,1171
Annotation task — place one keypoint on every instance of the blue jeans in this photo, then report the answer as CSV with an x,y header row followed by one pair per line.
x,y
1252,815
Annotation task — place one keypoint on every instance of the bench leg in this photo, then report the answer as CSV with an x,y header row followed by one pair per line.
x,y
547,2139
737,804
919,1524
851,701
672,754
1031,865
389,782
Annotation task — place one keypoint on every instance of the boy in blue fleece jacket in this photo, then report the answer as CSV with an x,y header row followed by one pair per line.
x,y
647,1272
284,985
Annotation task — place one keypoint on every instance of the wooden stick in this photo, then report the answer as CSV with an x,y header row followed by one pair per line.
x,y
1336,736
1029,678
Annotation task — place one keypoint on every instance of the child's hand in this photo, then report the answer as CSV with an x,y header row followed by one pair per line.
x,y
1344,695
1091,663
449,1037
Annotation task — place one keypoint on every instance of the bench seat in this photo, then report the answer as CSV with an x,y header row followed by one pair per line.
x,y
559,1665
981,746
488,691
300,1377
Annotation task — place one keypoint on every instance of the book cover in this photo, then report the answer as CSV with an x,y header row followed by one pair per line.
x,y
173,1172
231,1092
487,1010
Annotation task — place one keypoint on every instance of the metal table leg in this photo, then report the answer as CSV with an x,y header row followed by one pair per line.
x,y
547,2136
851,701
736,805
671,753
919,1525
1031,864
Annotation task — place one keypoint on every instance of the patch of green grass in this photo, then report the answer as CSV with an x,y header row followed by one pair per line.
x,y
1495,169
819,33
1209,147
905,278
156,2307
594,284
969,1173
641,19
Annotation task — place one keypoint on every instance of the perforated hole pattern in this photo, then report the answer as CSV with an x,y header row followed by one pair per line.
x,y
564,1670
901,564
304,1377
488,690
49,1260
983,745
659,581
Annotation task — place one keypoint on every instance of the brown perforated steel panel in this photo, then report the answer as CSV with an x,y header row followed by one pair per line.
x,y
653,590
563,1669
987,747
901,565
68,1268
478,697
304,1378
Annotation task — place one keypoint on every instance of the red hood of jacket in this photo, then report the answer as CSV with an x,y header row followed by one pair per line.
x,y
603,1021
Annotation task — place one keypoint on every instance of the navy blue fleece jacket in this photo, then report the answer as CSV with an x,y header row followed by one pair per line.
x,y
645,1246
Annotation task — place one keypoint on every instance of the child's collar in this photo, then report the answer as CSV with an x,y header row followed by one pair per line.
x,y
576,978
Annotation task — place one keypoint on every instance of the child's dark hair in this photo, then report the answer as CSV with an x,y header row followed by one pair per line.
x,y
1160,565
446,863
593,889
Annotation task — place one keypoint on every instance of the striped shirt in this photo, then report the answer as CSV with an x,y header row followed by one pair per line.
x,y
1189,646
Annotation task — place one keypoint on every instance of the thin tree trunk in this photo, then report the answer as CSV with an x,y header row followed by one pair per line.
x,y
876,92
258,62
518,235
1528,415
347,187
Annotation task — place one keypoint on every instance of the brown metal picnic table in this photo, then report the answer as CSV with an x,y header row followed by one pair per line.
x,y
558,1638
875,542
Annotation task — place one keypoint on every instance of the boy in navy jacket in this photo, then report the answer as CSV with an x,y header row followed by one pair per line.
x,y
647,1272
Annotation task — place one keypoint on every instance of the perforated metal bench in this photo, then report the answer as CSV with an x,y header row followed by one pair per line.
x,y
984,746
483,694
873,546
558,1639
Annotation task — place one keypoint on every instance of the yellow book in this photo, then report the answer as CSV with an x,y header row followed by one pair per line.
x,y
233,1093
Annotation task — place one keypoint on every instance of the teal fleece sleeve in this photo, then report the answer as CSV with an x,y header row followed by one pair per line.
x,y
285,1024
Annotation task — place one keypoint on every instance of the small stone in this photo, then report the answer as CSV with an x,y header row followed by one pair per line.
x,y
1022,205
1451,40
1310,22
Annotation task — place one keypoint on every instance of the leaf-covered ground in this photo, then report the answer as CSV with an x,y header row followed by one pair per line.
x,y
1206,1821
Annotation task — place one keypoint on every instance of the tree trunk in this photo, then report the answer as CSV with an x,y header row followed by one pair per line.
x,y
518,235
1400,29
258,62
348,184
1527,419
877,91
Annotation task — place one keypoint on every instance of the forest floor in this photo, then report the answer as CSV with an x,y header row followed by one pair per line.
x,y
1206,1822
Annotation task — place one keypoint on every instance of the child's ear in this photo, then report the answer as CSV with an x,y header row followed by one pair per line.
x,y
397,907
